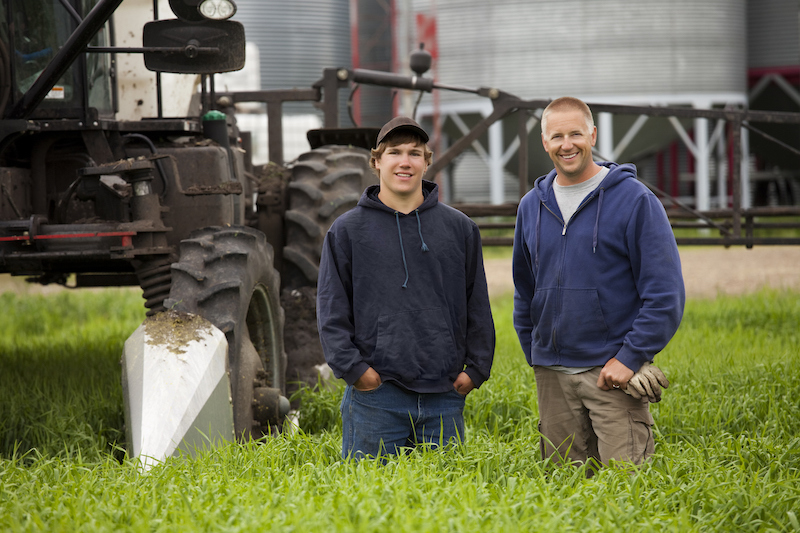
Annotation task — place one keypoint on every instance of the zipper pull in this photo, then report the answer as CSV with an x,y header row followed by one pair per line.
x,y
564,232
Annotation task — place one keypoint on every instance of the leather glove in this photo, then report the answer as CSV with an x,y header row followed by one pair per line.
x,y
647,382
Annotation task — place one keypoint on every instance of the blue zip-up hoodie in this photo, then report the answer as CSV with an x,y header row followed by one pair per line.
x,y
405,294
607,284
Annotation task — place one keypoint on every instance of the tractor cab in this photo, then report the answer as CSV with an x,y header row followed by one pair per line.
x,y
32,33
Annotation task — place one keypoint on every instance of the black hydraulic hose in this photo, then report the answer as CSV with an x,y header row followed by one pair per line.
x,y
153,151
63,202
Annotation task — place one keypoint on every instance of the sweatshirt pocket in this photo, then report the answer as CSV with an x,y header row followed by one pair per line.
x,y
414,345
543,314
582,326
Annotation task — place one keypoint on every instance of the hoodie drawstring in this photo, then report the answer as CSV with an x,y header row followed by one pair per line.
x,y
402,250
597,221
594,233
537,229
419,229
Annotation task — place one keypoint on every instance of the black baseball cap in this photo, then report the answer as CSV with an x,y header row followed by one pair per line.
x,y
398,124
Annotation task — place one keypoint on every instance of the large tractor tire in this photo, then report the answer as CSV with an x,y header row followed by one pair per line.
x,y
325,183
226,275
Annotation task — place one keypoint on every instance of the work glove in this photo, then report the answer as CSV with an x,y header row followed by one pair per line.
x,y
647,382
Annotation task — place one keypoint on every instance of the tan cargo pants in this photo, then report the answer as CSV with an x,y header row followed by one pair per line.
x,y
578,420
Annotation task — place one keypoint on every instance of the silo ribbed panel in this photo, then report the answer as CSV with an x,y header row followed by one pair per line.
x,y
297,39
773,38
545,48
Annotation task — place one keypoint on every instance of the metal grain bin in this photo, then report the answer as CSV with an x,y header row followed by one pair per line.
x,y
542,48
773,36
681,52
296,40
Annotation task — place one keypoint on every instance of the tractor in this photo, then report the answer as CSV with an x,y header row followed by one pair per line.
x,y
172,204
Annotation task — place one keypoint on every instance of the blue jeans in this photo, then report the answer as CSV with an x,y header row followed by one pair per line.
x,y
384,420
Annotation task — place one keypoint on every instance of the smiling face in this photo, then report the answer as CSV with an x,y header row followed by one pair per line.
x,y
400,168
568,140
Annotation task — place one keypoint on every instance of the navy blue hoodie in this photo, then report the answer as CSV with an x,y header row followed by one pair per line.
x,y
405,295
607,284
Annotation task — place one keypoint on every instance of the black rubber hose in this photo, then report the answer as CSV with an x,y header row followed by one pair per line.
x,y
153,151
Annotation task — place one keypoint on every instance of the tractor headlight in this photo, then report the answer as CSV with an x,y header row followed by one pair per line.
x,y
217,9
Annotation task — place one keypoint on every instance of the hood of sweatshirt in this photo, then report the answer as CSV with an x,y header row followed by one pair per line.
x,y
430,192
547,198
616,174
369,198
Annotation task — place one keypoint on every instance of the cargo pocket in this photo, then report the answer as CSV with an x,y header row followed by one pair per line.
x,y
642,443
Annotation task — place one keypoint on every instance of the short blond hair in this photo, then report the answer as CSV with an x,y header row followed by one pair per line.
x,y
567,103
401,137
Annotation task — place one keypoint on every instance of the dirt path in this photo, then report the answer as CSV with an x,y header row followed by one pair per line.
x,y
17,284
707,271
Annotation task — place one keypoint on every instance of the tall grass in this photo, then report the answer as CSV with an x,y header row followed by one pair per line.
x,y
727,454
60,390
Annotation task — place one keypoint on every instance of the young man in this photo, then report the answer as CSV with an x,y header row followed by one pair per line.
x,y
402,305
599,292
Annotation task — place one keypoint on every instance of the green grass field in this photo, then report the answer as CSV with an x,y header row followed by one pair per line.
x,y
727,448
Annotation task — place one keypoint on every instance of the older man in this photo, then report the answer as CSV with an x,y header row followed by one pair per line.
x,y
599,292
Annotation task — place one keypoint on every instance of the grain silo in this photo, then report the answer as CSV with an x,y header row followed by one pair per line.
x,y
682,52
295,42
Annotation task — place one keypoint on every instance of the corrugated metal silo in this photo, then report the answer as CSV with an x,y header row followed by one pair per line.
x,y
374,52
682,52
296,41
544,48
773,37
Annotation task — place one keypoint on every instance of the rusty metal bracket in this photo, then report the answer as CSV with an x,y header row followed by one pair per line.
x,y
232,187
